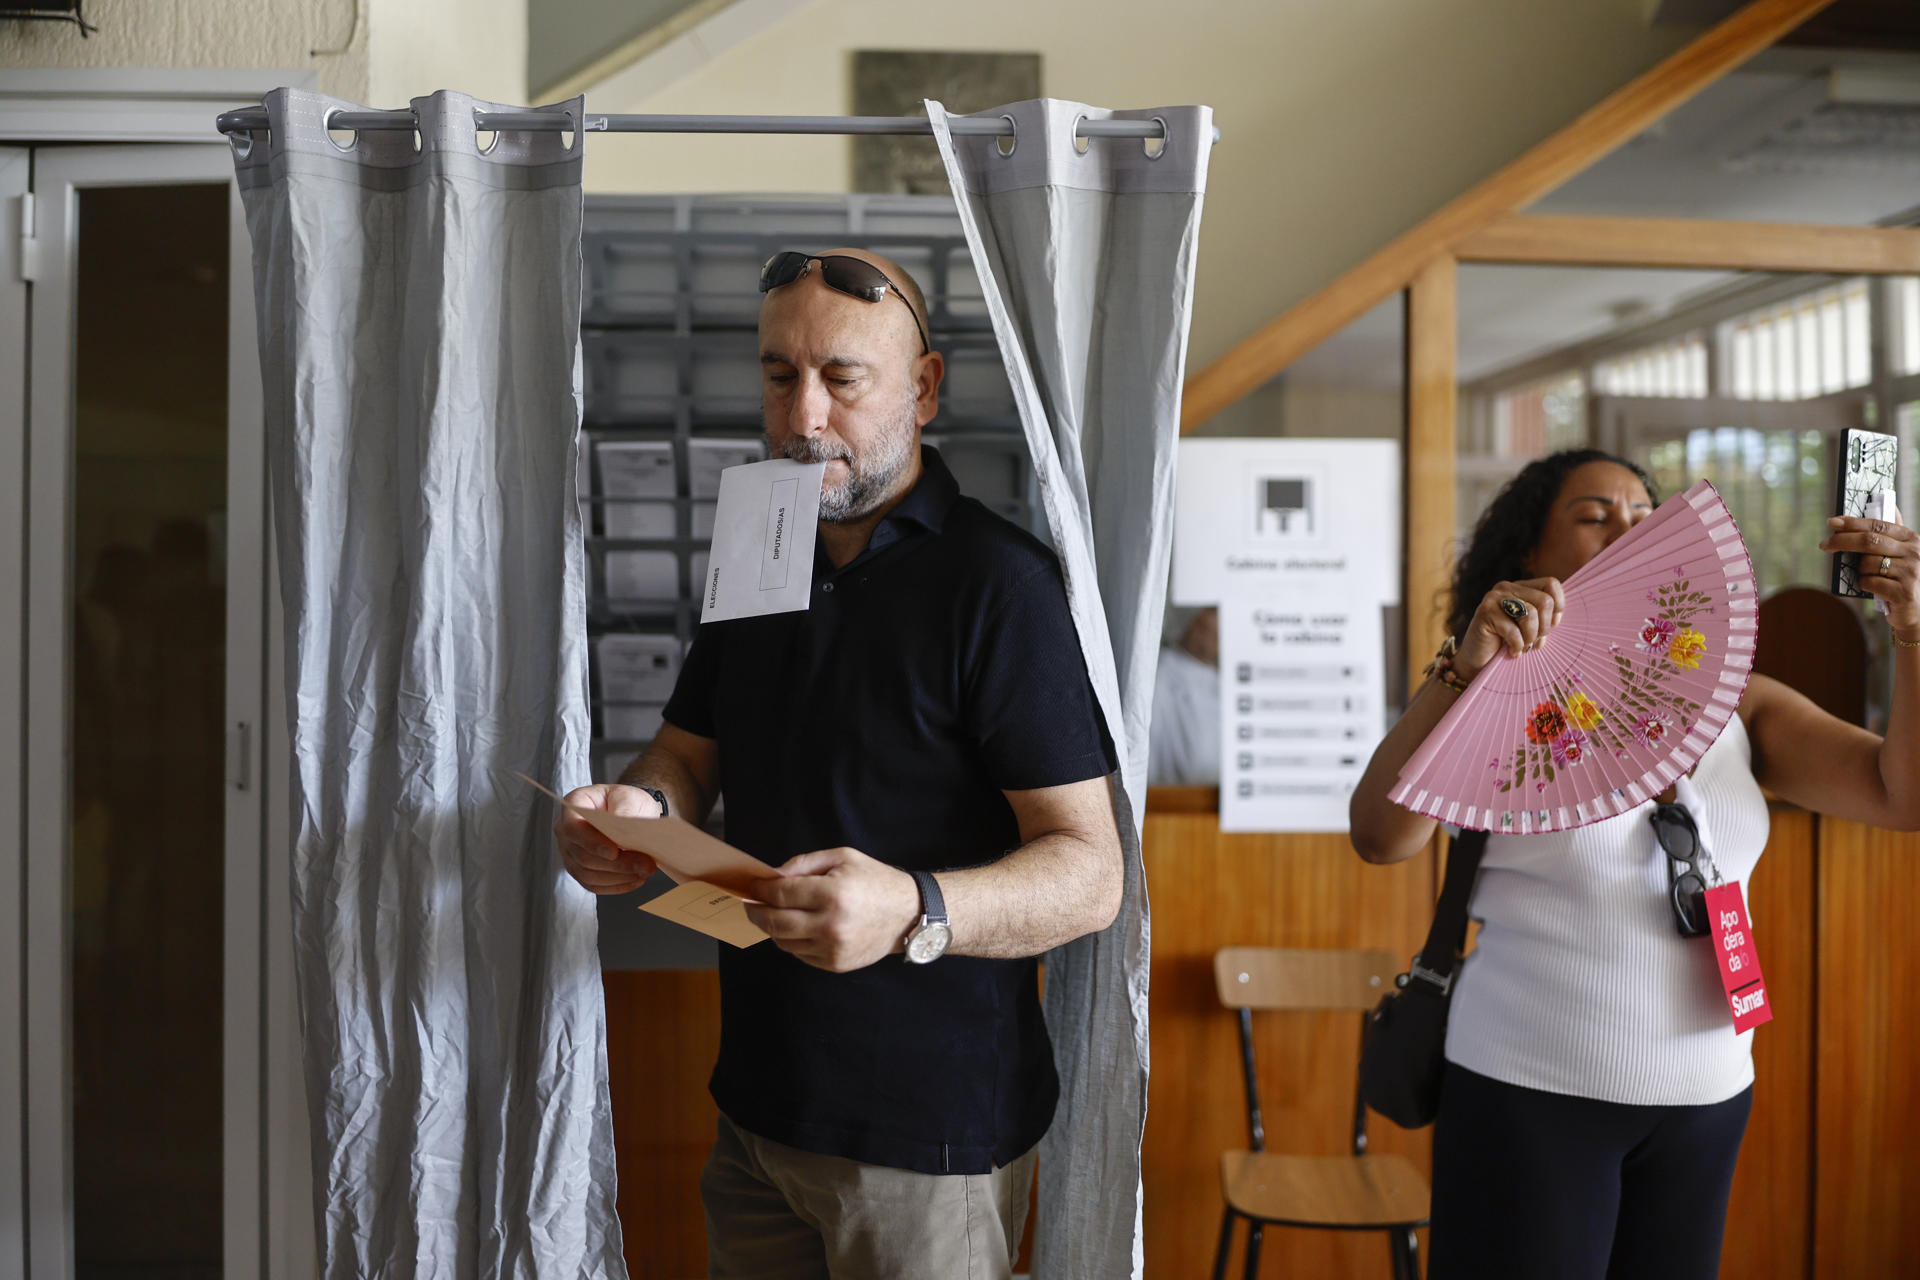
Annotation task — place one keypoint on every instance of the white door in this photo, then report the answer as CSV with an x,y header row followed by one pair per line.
x,y
14,164
139,798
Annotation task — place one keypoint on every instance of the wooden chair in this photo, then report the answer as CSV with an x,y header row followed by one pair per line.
x,y
1357,1192
1814,642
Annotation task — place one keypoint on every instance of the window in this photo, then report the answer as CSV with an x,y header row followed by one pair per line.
x,y
1540,417
1903,315
1774,481
1676,368
1804,347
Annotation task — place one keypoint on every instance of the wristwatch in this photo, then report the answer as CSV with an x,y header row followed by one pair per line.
x,y
659,797
927,941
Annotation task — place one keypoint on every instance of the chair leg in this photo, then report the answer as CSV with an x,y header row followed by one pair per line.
x,y
1397,1253
1254,1229
1413,1253
1226,1245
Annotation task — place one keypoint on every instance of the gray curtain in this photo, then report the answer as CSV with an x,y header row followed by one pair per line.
x,y
1086,252
419,309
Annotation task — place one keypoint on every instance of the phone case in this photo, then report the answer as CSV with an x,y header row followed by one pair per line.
x,y
1867,462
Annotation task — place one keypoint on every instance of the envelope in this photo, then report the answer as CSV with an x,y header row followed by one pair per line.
x,y
708,909
684,851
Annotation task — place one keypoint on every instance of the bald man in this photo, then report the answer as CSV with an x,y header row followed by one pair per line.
x,y
920,755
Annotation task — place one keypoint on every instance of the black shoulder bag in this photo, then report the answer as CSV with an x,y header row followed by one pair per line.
x,y
1405,1050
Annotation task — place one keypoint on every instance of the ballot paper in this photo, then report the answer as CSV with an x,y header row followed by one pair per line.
x,y
636,666
684,851
642,575
707,909
708,460
762,555
635,468
624,519
631,722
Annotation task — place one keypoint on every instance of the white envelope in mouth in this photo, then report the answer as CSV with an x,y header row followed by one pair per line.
x,y
761,560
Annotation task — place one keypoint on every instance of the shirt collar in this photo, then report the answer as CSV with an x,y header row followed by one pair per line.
x,y
928,502
925,505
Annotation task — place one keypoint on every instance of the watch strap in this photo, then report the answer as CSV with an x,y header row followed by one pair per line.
x,y
660,797
933,907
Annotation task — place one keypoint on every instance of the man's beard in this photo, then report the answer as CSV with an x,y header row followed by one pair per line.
x,y
870,478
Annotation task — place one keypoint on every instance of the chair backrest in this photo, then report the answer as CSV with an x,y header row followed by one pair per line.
x,y
1293,978
1812,641
1265,978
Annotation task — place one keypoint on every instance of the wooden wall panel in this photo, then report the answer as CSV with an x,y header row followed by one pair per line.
x,y
1208,891
1827,1172
1868,1110
1433,396
663,1034
1769,1221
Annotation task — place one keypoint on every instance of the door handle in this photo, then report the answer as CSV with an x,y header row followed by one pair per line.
x,y
240,755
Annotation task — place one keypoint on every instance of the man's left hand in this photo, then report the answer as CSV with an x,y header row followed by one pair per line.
x,y
837,909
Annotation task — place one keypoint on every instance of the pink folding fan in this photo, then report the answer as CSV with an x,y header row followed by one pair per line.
x,y
1630,688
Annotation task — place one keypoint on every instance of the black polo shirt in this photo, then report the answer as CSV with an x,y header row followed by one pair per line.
x,y
938,669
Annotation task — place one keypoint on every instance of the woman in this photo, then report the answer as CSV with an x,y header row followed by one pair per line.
x,y
1595,1092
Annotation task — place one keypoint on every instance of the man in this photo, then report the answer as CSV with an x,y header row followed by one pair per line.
x,y
928,713
1184,750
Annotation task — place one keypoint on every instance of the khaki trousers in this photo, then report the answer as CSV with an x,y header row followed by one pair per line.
x,y
776,1213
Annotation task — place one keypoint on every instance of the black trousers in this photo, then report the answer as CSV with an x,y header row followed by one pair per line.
x,y
1529,1184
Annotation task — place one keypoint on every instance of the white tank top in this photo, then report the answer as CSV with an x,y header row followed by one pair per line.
x,y
1579,982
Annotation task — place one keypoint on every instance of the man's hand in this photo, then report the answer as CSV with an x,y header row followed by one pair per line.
x,y
595,861
837,909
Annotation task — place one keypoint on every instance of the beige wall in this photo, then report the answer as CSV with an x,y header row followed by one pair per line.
x,y
1343,121
276,34
1323,410
399,48
475,46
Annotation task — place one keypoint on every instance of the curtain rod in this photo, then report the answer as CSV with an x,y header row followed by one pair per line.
x,y
250,119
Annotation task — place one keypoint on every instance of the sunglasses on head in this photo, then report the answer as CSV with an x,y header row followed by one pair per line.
x,y
1679,839
854,277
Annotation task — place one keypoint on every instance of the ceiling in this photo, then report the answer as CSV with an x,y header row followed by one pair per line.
x,y
567,36
1784,139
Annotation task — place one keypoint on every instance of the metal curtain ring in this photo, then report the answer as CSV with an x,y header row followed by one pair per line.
x,y
1513,607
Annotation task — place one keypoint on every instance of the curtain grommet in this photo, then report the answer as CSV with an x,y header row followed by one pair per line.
x,y
1147,144
1007,142
1081,145
326,127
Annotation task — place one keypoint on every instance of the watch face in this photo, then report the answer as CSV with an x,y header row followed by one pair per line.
x,y
928,943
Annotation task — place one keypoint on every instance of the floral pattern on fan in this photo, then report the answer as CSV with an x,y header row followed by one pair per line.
x,y
1636,680
1562,729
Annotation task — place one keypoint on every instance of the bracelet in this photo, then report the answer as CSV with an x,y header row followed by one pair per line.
x,y
1898,642
1441,667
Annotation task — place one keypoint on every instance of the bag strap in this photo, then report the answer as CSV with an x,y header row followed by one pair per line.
x,y
1441,952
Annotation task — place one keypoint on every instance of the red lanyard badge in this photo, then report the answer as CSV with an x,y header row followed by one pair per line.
x,y
1731,930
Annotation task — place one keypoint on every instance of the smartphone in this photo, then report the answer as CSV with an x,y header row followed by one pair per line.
x,y
1867,463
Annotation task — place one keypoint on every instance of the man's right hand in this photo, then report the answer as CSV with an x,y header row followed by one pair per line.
x,y
595,861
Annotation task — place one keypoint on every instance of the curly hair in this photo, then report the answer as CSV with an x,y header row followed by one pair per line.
x,y
1510,528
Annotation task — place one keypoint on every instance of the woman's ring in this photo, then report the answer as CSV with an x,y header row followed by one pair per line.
x,y
1513,607
1886,566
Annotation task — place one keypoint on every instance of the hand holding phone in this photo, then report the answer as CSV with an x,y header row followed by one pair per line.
x,y
1868,463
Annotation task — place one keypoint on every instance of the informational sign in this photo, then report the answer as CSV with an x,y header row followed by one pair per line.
x,y
1301,685
1265,515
